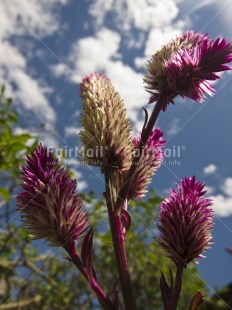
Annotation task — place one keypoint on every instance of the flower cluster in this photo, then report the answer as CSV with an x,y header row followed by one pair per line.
x,y
185,222
184,66
151,159
105,124
51,208
48,203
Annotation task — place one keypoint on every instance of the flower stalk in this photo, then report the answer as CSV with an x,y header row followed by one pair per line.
x,y
103,299
118,238
170,294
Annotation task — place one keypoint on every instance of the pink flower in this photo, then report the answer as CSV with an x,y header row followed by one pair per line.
x,y
185,66
185,222
151,159
48,203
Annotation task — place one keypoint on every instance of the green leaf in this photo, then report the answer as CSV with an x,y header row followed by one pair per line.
x,y
4,193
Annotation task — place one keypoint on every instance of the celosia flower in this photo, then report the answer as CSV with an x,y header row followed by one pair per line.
x,y
150,161
106,133
185,222
184,66
48,203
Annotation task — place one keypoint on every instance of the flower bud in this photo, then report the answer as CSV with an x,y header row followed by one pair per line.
x,y
106,133
185,222
151,159
48,203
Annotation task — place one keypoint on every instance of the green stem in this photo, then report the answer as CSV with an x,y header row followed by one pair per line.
x,y
118,238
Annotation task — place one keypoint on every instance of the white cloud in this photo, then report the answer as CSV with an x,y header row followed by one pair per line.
x,y
174,127
81,183
32,17
99,9
71,131
90,54
61,69
136,41
227,187
140,14
100,53
30,21
94,53
222,204
210,169
154,20
129,83
33,95
140,62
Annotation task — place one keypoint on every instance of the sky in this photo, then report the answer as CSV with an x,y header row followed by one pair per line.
x,y
48,46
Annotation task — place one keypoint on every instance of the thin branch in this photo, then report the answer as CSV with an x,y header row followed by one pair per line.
x,y
36,270
22,303
40,273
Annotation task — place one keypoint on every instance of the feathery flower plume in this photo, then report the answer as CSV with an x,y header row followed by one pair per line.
x,y
106,133
48,203
185,222
185,66
150,161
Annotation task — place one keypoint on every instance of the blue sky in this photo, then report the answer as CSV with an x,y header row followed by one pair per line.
x,y
48,46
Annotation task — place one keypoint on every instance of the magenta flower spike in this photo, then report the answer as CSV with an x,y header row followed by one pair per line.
x,y
185,66
185,222
151,159
49,205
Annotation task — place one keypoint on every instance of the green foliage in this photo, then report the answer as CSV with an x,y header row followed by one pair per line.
x,y
13,147
221,300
